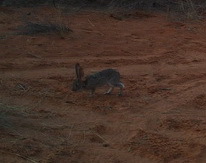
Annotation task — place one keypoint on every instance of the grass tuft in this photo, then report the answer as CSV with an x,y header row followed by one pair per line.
x,y
40,28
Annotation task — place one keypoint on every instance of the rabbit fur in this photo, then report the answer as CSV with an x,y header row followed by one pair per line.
x,y
110,77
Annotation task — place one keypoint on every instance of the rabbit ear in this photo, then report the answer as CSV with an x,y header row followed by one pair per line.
x,y
79,71
77,67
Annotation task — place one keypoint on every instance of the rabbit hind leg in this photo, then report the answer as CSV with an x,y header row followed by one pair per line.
x,y
121,86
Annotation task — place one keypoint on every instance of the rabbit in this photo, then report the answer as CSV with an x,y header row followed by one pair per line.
x,y
109,77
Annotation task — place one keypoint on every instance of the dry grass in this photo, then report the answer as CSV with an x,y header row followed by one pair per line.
x,y
32,28
6,111
54,22
186,10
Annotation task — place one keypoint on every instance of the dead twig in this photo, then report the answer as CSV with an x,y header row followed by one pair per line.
x,y
106,143
34,56
91,23
21,86
26,158
98,32
104,140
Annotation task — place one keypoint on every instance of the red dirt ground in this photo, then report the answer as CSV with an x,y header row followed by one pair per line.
x,y
160,118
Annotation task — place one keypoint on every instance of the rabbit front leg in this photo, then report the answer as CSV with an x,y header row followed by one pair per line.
x,y
109,91
92,92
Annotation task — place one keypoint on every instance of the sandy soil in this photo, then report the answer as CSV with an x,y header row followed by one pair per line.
x,y
160,118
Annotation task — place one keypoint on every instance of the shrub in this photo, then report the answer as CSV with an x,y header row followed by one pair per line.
x,y
40,28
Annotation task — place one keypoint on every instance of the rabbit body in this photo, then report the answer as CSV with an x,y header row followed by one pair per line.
x,y
108,77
